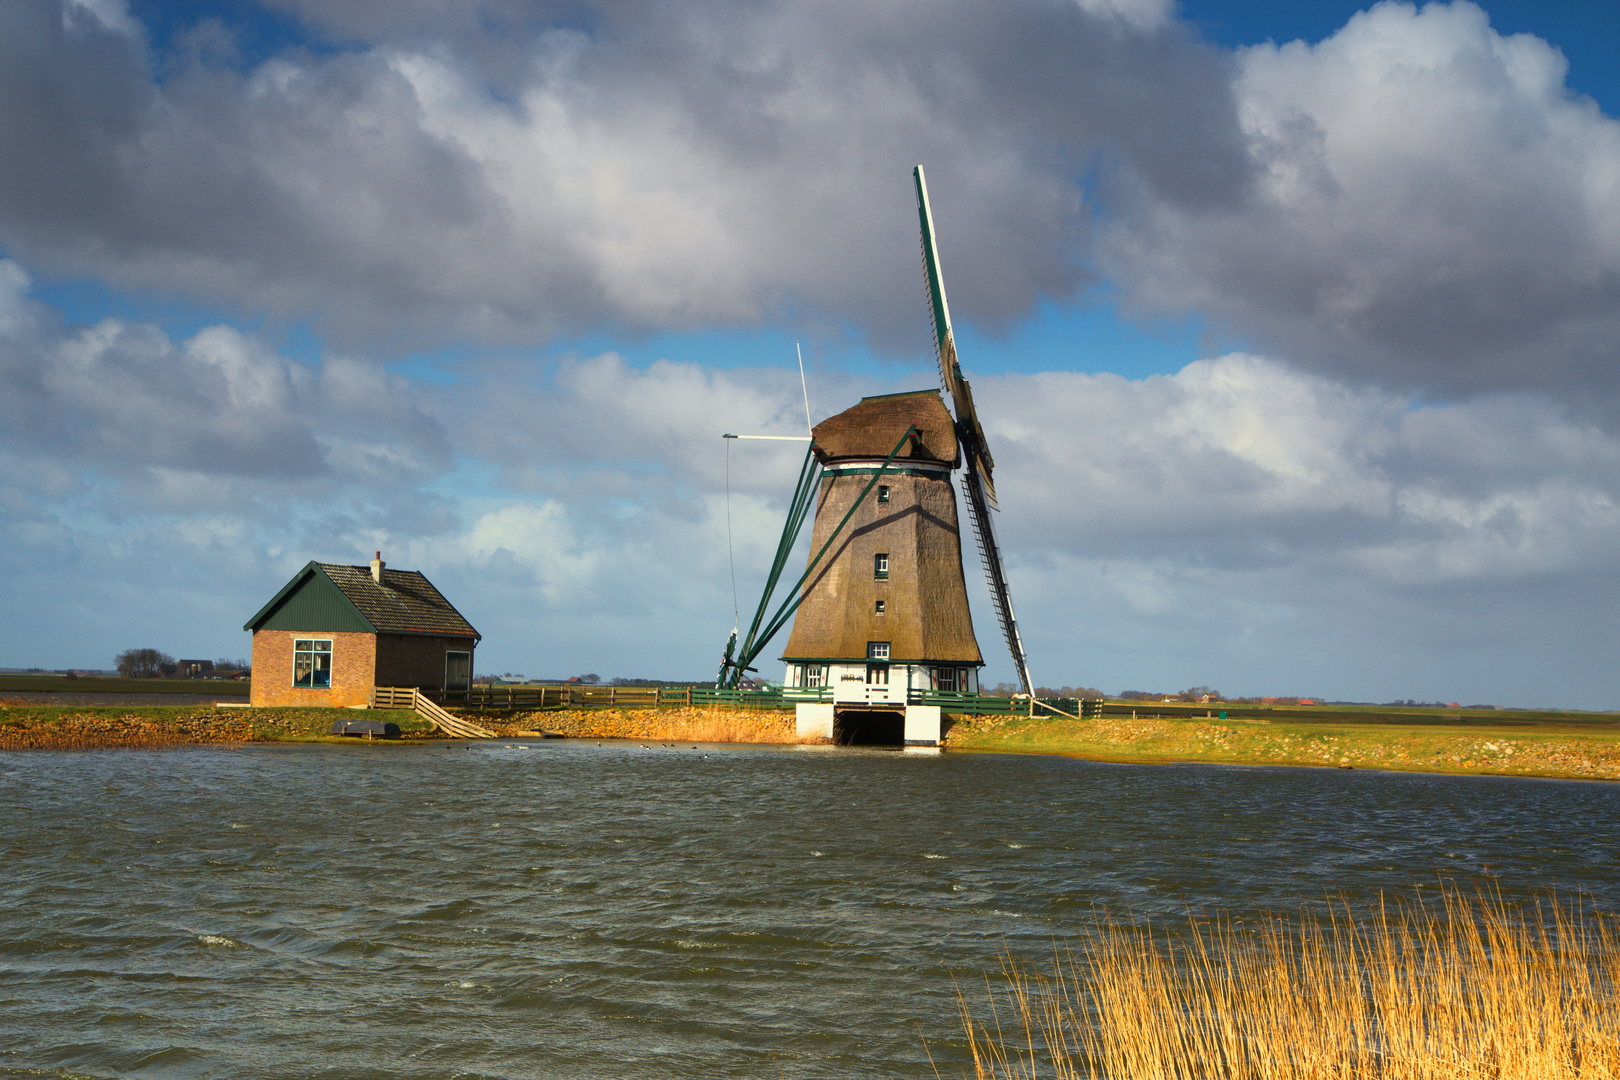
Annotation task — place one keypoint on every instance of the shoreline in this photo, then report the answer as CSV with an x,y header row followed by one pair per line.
x,y
1460,750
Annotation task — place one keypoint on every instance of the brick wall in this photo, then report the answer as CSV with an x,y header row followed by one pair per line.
x,y
354,664
415,660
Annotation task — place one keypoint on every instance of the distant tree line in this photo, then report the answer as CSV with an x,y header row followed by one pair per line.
x,y
143,663
1192,693
1008,689
155,663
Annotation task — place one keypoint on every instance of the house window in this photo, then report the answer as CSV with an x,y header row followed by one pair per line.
x,y
883,493
312,663
815,675
877,674
880,605
945,680
880,565
877,650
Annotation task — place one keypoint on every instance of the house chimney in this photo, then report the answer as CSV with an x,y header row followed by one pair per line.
x,y
377,568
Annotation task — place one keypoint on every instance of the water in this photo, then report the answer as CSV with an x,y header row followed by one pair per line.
x,y
575,910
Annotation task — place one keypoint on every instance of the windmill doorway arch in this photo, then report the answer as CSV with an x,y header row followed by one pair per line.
x,y
870,727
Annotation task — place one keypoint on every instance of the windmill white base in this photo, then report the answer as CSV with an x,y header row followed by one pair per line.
x,y
924,724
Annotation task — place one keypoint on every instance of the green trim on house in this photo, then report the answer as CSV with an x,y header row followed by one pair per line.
x,y
311,602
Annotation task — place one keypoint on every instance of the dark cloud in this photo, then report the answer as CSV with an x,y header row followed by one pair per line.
x,y
665,166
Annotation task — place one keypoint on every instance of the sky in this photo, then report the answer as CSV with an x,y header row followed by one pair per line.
x,y
1293,327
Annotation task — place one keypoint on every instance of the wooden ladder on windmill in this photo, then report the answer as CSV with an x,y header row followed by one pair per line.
x,y
408,697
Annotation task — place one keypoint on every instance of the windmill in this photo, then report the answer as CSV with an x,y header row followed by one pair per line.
x,y
881,613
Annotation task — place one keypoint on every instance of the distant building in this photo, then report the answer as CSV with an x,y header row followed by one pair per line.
x,y
334,632
193,669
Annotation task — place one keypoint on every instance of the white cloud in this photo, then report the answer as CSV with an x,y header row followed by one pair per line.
x,y
111,15
1239,460
1142,14
1238,523
1433,210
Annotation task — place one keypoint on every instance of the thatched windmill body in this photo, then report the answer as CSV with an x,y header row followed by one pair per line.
x,y
885,613
881,616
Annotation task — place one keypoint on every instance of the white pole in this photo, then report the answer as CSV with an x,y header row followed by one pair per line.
x,y
806,388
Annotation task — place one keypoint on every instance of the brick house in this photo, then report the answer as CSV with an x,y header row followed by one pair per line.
x,y
333,632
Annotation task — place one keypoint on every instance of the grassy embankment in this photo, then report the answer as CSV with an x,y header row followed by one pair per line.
x,y
1459,987
1585,746
50,727
53,727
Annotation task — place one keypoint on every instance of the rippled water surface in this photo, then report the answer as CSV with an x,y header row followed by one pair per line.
x,y
568,909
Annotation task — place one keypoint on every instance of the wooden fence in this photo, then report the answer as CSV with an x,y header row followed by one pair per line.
x,y
486,698
408,697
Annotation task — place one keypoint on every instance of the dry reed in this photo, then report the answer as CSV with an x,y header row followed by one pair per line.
x,y
1460,987
694,725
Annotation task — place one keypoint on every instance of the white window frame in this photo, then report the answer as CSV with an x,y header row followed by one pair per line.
x,y
877,650
880,566
877,674
883,493
328,652
882,608
815,676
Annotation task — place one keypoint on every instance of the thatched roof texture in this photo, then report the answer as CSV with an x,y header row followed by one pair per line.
x,y
870,430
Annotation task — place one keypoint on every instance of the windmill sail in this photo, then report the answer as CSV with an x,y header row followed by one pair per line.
x,y
977,479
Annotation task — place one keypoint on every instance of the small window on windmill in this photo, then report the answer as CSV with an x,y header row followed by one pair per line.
x,y
877,650
880,607
880,565
883,493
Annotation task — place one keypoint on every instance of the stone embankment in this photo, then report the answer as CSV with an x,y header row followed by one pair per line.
x,y
90,730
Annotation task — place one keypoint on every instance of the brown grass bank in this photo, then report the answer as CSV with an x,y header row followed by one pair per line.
x,y
1465,986
32,727
663,725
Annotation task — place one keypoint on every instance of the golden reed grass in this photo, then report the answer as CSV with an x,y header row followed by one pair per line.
x,y
1460,987
694,725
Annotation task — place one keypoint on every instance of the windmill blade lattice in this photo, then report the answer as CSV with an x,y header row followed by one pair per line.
x,y
977,480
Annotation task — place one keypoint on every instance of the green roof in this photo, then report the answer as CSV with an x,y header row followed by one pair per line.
x,y
334,598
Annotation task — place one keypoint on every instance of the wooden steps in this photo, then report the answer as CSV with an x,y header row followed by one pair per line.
x,y
397,697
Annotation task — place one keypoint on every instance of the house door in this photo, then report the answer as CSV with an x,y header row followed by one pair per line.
x,y
457,672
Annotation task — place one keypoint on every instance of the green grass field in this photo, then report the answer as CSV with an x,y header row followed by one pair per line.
x,y
97,685
1586,747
